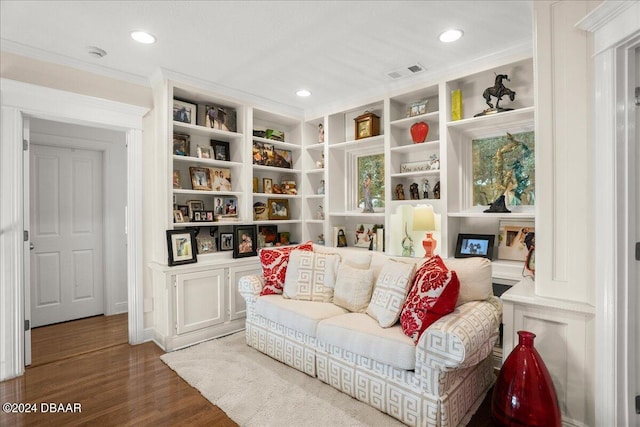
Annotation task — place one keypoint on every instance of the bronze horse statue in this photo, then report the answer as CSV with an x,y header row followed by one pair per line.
x,y
498,90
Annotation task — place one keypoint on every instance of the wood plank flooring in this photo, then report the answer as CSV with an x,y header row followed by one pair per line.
x,y
116,385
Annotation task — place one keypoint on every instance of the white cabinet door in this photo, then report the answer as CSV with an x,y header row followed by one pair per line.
x,y
200,300
237,305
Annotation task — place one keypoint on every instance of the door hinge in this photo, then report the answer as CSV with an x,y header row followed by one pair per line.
x,y
27,324
637,251
25,235
25,144
637,96
637,404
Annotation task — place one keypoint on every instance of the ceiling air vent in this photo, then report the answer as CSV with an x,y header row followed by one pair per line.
x,y
405,71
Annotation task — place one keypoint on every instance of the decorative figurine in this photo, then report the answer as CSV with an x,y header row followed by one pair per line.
x,y
434,162
499,205
321,188
366,194
498,90
413,189
425,189
320,213
321,239
436,191
320,163
407,243
320,133
399,192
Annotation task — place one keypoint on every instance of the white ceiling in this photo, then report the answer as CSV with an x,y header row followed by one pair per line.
x,y
339,50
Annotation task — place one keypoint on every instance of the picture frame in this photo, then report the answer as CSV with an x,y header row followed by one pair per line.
x,y
205,152
178,217
226,241
177,180
181,246
265,154
513,236
245,241
181,144
278,209
268,235
220,150
206,244
230,206
475,245
283,158
200,178
267,185
417,108
184,209
220,117
260,211
203,216
284,238
184,112
193,206
220,179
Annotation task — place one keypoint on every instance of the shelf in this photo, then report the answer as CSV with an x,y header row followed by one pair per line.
x,y
204,224
315,196
315,221
412,174
407,122
275,169
210,162
277,196
414,202
359,143
205,131
429,145
317,147
278,144
278,221
209,193
517,212
358,214
520,120
313,171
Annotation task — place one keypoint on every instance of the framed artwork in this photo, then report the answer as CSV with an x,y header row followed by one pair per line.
x,y
218,117
176,179
246,242
268,234
474,245
220,150
262,154
267,185
177,216
221,179
194,206
260,211
205,152
370,178
278,208
181,245
181,144
200,178
365,234
513,238
206,244
282,158
184,112
226,241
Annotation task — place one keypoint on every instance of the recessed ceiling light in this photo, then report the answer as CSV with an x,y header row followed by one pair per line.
x,y
303,93
143,37
450,36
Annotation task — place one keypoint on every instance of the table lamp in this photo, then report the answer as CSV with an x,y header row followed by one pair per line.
x,y
424,220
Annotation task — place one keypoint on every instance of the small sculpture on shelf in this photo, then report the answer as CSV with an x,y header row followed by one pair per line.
x,y
436,191
399,192
320,163
434,162
320,213
498,90
321,187
366,194
499,205
413,189
321,239
320,133
425,189
407,243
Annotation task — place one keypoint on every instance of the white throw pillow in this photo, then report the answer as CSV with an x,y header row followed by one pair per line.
x,y
475,279
361,261
311,276
390,292
353,288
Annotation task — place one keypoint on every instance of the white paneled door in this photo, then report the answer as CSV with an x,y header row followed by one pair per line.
x,y
66,228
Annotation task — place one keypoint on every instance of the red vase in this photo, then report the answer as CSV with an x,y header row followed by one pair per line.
x,y
419,132
524,394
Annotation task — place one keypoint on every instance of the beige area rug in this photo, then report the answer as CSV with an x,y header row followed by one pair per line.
x,y
256,390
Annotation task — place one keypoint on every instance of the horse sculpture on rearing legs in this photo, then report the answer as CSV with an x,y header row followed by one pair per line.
x,y
498,90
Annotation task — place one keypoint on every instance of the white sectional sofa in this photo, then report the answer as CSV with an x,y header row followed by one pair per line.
x,y
434,382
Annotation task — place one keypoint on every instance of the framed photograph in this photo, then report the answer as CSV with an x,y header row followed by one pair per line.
x,y
184,112
260,211
176,179
206,244
181,245
267,185
230,206
177,216
278,208
194,206
262,154
205,152
226,241
475,245
220,150
284,238
365,234
267,235
282,158
246,242
219,117
513,238
185,210
181,144
221,178
200,178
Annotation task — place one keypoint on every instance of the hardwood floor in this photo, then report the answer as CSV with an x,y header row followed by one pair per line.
x,y
116,385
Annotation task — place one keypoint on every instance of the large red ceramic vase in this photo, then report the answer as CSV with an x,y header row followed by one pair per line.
x,y
524,394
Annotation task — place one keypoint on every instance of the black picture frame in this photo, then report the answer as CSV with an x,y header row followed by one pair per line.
x,y
226,241
245,238
220,150
475,245
182,247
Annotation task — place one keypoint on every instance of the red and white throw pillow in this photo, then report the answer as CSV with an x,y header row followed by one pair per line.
x,y
274,266
434,294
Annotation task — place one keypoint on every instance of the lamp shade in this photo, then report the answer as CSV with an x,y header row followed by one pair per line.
x,y
423,218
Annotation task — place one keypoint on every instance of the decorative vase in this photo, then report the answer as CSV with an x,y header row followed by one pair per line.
x,y
419,132
429,245
524,394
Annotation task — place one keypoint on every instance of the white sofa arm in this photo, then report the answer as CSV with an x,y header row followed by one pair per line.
x,y
460,339
250,287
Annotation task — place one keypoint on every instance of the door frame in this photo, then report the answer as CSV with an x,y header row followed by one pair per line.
x,y
21,100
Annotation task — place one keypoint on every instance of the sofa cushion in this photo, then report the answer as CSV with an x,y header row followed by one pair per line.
x,y
311,276
301,316
274,266
474,275
434,293
361,334
390,292
353,288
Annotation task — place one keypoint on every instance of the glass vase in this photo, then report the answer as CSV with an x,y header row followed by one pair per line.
x,y
524,394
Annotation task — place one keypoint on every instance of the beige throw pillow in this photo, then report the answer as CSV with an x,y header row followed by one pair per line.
x,y
353,288
311,276
476,283
390,292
